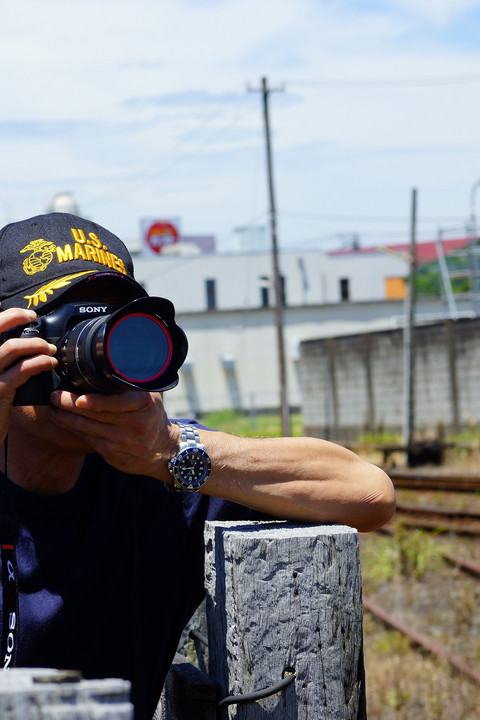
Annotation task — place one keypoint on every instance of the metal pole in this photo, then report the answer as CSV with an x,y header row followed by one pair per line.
x,y
411,321
276,273
406,369
473,248
447,286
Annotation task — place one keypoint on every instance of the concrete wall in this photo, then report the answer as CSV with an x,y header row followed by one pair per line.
x,y
354,384
233,361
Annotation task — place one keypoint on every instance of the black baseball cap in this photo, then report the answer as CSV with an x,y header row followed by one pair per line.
x,y
45,256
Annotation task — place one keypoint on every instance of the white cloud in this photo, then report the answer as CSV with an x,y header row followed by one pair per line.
x,y
439,12
142,108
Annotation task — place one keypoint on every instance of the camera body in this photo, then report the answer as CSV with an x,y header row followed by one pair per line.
x,y
106,350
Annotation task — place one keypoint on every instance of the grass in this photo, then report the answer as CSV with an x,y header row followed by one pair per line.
x,y
408,555
258,425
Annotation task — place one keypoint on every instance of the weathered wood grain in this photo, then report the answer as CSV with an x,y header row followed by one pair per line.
x,y
283,597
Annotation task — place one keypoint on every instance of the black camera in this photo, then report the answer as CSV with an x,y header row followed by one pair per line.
x,y
103,350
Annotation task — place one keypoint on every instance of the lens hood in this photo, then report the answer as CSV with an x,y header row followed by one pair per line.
x,y
139,345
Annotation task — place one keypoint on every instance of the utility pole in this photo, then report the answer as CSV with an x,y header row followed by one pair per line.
x,y
411,319
409,331
285,415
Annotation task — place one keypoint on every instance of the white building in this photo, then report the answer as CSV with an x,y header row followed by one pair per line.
x,y
225,304
219,282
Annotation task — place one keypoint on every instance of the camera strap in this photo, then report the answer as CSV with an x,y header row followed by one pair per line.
x,y
8,538
10,599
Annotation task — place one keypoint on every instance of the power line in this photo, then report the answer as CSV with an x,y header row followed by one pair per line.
x,y
174,157
388,83
359,218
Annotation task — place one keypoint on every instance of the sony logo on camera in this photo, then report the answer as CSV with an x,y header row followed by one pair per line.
x,y
92,309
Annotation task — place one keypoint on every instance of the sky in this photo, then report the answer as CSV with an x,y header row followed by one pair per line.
x,y
151,109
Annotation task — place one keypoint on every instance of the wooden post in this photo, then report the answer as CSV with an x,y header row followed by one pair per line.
x,y
367,358
412,302
286,599
452,374
333,388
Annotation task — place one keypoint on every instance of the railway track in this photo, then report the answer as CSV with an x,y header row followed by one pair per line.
x,y
439,518
432,480
417,639
466,565
422,641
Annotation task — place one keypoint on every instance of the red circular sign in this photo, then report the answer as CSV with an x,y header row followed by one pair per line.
x,y
160,234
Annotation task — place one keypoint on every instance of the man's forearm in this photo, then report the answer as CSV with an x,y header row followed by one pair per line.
x,y
303,479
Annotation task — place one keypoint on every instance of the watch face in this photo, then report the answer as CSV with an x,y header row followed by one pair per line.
x,y
193,468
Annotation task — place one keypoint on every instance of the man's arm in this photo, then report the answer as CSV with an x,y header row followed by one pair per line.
x,y
304,479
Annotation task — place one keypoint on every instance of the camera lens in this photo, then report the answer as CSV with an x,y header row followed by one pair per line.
x,y
139,347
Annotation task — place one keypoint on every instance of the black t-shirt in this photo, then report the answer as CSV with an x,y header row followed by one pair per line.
x,y
109,574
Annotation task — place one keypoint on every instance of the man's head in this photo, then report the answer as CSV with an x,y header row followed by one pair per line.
x,y
45,257
78,277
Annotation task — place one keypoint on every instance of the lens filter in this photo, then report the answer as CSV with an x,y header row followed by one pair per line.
x,y
139,347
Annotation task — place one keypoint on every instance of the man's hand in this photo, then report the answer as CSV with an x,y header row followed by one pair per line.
x,y
20,359
302,479
130,430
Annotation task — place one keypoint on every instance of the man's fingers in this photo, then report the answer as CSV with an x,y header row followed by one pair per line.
x,y
15,348
82,425
15,316
129,401
118,420
103,408
19,373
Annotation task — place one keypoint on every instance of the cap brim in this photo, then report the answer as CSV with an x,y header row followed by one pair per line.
x,y
45,297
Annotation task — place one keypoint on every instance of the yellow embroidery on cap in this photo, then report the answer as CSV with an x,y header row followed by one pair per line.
x,y
41,256
41,295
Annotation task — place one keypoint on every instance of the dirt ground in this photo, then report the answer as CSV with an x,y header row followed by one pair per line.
x,y
409,577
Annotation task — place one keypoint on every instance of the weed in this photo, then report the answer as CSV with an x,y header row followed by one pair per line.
x,y
410,554
379,559
417,552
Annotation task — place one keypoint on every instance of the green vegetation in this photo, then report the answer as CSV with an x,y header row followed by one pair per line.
x,y
417,552
372,440
410,554
468,438
428,278
254,425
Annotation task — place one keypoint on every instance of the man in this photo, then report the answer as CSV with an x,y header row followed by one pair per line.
x,y
102,564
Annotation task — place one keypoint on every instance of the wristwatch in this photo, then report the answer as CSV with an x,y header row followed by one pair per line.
x,y
190,467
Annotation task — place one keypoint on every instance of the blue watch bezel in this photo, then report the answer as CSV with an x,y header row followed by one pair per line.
x,y
187,485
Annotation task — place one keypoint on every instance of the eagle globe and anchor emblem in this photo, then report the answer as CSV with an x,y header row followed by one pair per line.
x,y
42,255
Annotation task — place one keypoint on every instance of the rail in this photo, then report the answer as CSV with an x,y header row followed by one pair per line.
x,y
420,640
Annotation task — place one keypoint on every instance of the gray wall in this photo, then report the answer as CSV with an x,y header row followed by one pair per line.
x,y
354,384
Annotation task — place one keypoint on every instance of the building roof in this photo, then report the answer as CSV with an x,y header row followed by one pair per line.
x,y
425,251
